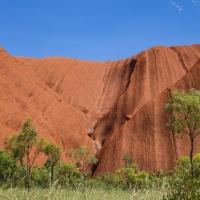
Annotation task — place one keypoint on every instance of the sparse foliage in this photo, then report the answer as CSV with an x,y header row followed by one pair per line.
x,y
84,158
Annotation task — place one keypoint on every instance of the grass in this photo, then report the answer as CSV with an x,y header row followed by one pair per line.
x,y
93,194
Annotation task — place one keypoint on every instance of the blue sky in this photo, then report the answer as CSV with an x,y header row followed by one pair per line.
x,y
96,29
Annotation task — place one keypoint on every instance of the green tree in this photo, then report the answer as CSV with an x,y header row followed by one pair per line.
x,y
53,154
25,148
84,158
183,112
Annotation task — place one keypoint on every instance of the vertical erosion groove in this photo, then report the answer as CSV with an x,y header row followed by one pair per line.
x,y
115,114
180,58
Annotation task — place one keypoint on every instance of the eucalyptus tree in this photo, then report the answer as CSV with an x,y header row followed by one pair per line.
x,y
25,147
183,114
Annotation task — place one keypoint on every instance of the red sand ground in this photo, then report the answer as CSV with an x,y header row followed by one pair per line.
x,y
121,101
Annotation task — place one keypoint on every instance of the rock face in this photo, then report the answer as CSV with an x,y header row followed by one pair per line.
x,y
113,107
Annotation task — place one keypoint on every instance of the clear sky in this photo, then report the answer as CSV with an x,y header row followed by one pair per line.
x,y
96,29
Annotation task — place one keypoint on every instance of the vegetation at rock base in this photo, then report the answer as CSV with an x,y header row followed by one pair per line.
x,y
56,179
182,185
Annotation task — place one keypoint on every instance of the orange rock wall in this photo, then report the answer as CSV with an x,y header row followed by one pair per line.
x,y
122,103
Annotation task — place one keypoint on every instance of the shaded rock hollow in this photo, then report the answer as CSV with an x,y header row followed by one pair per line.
x,y
118,104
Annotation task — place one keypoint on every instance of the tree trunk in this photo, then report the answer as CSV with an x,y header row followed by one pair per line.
x,y
52,174
191,154
84,182
27,181
27,177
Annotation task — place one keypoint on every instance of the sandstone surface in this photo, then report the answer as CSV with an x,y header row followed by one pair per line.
x,y
113,107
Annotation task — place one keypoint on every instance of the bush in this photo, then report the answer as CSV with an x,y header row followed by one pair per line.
x,y
7,167
67,175
135,179
18,177
183,185
40,177
111,180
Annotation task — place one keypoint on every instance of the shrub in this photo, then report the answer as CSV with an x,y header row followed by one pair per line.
x,y
40,177
7,167
67,175
182,184
18,177
111,180
134,179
